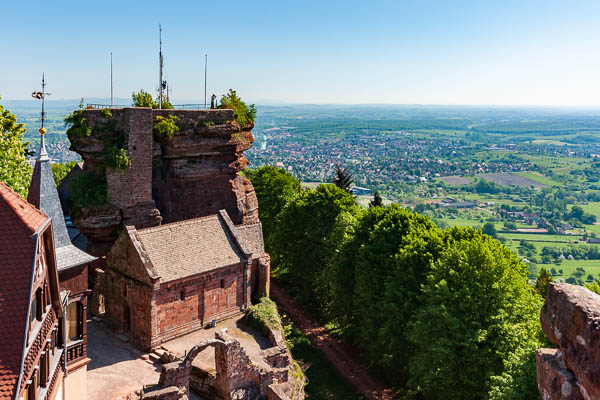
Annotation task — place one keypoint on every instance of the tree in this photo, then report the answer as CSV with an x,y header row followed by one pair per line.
x,y
489,229
274,188
302,229
477,330
343,179
378,274
143,99
510,226
242,113
377,200
59,171
543,281
15,170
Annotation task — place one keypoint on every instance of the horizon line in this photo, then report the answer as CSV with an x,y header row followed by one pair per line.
x,y
301,103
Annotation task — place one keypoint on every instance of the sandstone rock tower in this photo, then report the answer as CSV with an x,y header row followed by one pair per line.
x,y
193,174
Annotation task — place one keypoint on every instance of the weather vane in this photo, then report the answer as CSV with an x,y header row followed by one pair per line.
x,y
42,96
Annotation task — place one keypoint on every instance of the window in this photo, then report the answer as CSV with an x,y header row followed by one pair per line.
x,y
44,368
32,313
74,320
222,283
182,294
39,307
53,342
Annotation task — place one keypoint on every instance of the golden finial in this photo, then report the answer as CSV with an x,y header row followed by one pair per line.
x,y
42,131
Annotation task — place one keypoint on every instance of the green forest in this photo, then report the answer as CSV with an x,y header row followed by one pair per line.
x,y
443,314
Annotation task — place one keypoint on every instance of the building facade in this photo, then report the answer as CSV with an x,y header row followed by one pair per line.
x,y
33,330
72,265
170,280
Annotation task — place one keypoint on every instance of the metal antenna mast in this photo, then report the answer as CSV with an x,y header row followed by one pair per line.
x,y
205,65
160,59
112,97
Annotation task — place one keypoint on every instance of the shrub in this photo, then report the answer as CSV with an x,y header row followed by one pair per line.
x,y
77,126
87,190
116,157
263,316
242,113
164,128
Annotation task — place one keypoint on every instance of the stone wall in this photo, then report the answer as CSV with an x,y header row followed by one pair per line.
x,y
128,307
571,320
188,304
236,376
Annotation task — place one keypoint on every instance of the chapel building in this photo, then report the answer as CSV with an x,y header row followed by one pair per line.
x,y
166,281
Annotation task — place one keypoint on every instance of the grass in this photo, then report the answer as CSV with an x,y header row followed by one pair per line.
x,y
324,382
569,266
534,176
263,316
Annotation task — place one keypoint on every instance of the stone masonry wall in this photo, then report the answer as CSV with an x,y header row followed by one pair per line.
x,y
236,376
570,319
138,142
186,305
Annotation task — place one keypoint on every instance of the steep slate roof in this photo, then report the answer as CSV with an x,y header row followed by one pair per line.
x,y
43,195
20,221
190,247
252,236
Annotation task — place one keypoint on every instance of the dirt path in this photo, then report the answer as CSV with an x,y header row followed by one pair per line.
x,y
342,356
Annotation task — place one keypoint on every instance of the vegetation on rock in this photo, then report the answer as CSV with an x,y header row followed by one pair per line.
x,y
242,113
87,190
116,157
15,170
164,128
76,124
144,99
263,316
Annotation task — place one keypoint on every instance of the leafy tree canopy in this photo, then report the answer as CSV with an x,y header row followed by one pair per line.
x,y
144,99
59,171
274,188
302,230
15,170
490,229
477,330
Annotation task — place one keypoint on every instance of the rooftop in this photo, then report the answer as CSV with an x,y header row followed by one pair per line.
x,y
190,247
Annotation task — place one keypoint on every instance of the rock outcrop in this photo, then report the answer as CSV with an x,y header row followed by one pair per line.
x,y
570,319
194,173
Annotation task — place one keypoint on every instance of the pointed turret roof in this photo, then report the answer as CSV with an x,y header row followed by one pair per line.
x,y
43,195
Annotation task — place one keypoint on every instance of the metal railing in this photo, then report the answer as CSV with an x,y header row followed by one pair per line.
x,y
201,106
99,106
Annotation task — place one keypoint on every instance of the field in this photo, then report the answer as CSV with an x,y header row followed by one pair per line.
x,y
508,179
456,180
534,176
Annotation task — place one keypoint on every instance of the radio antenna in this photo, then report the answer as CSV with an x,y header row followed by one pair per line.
x,y
160,60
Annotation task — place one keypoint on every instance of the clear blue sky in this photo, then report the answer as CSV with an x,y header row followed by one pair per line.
x,y
405,52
